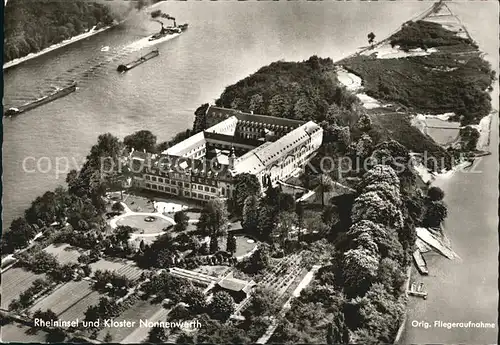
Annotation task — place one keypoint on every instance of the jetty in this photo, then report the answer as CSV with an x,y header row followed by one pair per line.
x,y
125,67
417,290
420,262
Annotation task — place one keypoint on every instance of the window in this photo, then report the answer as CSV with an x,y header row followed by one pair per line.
x,y
223,191
155,186
200,187
167,181
194,195
160,188
167,189
212,190
160,179
186,193
186,185
148,185
153,179
148,177
207,189
174,191
207,197
179,184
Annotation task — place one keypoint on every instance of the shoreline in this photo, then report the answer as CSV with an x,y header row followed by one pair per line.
x,y
91,32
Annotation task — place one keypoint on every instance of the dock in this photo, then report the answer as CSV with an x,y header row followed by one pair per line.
x,y
420,262
417,290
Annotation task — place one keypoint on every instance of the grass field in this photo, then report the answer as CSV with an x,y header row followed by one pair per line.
x,y
64,300
137,221
14,282
65,253
121,266
18,333
242,246
140,310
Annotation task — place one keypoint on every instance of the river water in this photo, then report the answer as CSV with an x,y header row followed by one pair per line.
x,y
466,289
225,42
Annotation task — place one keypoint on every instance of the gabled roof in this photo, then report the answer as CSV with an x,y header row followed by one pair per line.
x,y
234,284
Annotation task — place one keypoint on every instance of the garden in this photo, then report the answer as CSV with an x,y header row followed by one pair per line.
x,y
146,224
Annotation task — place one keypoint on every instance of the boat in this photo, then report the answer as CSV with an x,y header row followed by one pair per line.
x,y
169,30
105,49
142,59
417,290
420,262
58,93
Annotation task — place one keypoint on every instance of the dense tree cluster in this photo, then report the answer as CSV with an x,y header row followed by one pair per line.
x,y
425,35
32,26
27,297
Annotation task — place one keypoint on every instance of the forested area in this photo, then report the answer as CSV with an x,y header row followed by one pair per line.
x,y
30,26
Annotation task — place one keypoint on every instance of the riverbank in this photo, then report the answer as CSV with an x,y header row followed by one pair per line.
x,y
89,33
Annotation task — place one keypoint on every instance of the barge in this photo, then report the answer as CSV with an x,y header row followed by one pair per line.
x,y
141,60
58,93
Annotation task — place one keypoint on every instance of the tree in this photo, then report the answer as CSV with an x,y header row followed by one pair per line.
x,y
364,123
18,236
245,185
196,300
264,302
123,232
222,306
287,222
141,140
469,137
250,220
181,221
118,207
157,335
47,315
213,218
326,186
108,338
231,244
214,244
359,270
256,104
435,193
435,213
371,38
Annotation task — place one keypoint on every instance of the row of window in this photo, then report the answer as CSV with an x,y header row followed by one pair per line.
x,y
174,191
180,184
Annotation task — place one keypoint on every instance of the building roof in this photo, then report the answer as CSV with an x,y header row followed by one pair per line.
x,y
187,145
234,284
218,112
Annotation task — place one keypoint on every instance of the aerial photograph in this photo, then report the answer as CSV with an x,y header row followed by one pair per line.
x,y
250,172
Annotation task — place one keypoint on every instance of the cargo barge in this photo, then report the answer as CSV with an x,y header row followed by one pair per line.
x,y
141,60
60,92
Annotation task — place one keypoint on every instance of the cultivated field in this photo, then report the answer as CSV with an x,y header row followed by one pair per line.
x,y
140,310
120,266
70,301
65,253
14,282
18,333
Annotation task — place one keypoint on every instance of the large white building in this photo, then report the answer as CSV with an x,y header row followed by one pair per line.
x,y
203,166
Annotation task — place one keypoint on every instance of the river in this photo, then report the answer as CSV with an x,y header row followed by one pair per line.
x,y
466,289
225,42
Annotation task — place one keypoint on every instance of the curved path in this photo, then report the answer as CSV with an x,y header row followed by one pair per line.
x,y
129,212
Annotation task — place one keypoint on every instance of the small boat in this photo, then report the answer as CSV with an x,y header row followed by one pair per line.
x,y
420,262
105,49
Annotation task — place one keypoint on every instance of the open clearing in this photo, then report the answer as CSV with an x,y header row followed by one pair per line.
x,y
14,282
65,253
121,266
138,221
65,299
19,333
140,310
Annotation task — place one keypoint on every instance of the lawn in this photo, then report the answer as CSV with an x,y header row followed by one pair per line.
x,y
19,333
137,221
14,282
139,310
65,253
63,300
242,246
121,266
